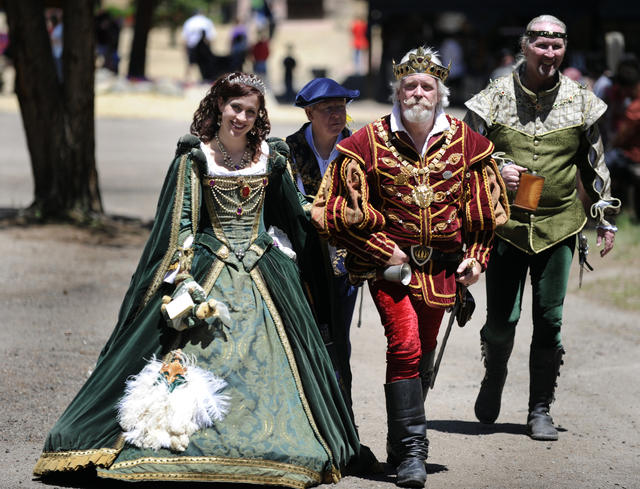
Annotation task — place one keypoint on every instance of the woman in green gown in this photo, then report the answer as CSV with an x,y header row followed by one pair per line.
x,y
229,231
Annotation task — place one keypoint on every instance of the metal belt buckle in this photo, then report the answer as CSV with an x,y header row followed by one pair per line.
x,y
421,254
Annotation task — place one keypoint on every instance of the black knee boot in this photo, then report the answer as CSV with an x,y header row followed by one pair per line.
x,y
487,405
407,431
426,368
544,368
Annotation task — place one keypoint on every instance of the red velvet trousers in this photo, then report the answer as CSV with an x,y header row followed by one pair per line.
x,y
410,325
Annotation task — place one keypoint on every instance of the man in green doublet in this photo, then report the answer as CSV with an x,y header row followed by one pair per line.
x,y
542,124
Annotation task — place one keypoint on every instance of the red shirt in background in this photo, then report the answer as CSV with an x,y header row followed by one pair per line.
x,y
359,33
628,137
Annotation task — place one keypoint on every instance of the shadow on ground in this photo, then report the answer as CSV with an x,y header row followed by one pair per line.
x,y
475,428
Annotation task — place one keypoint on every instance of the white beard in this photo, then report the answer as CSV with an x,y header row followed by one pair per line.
x,y
418,111
417,114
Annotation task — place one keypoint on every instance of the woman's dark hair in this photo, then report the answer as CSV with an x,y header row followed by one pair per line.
x,y
206,119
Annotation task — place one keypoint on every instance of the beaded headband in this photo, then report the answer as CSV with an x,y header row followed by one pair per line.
x,y
420,62
550,34
246,79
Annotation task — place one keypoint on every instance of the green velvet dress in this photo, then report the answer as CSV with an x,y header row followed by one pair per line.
x,y
287,422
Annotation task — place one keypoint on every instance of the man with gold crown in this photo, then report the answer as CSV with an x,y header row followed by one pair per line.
x,y
416,190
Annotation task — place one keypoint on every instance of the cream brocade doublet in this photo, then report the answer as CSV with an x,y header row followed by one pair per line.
x,y
554,134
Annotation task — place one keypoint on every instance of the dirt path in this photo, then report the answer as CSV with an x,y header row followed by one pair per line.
x,y
63,287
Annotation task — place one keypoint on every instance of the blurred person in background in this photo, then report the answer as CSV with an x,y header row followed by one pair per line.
x,y
289,64
56,34
107,31
194,30
623,157
239,45
359,42
260,55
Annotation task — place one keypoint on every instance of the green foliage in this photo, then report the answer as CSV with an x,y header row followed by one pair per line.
x,y
173,13
120,12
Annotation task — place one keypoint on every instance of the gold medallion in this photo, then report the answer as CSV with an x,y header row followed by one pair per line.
x,y
454,159
400,179
422,196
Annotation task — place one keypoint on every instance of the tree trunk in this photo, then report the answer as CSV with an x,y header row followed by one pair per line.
x,y
58,118
81,188
39,92
138,56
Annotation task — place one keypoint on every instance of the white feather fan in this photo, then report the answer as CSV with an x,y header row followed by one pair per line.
x,y
155,415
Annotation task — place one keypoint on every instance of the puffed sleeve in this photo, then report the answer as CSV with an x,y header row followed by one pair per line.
x,y
486,205
342,211
594,172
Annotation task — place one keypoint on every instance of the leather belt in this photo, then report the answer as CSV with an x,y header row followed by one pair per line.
x,y
421,255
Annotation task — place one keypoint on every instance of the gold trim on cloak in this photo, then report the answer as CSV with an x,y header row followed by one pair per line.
x,y
77,459
172,247
212,476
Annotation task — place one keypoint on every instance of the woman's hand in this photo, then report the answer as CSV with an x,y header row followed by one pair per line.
x,y
468,271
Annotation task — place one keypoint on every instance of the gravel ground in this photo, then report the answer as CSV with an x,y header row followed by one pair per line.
x,y
64,286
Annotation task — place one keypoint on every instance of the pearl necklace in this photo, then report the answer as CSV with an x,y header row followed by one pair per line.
x,y
237,196
244,161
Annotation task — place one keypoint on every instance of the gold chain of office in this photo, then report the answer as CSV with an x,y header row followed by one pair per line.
x,y
421,193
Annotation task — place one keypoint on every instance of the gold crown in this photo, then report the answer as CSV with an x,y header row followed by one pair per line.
x,y
420,62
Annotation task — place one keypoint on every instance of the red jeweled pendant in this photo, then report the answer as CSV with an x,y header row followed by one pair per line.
x,y
245,190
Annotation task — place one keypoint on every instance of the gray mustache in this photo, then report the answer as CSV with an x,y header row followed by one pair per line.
x,y
411,101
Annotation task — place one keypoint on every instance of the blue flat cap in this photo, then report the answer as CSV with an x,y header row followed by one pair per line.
x,y
321,89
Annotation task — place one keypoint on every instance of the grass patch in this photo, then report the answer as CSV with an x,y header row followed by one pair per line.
x,y
614,292
618,282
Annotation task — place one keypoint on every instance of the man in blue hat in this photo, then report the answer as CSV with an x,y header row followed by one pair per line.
x,y
313,147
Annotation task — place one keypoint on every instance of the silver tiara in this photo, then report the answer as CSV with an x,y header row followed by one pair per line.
x,y
247,79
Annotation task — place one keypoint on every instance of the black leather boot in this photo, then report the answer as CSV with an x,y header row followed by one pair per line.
x,y
426,368
496,357
544,368
407,431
